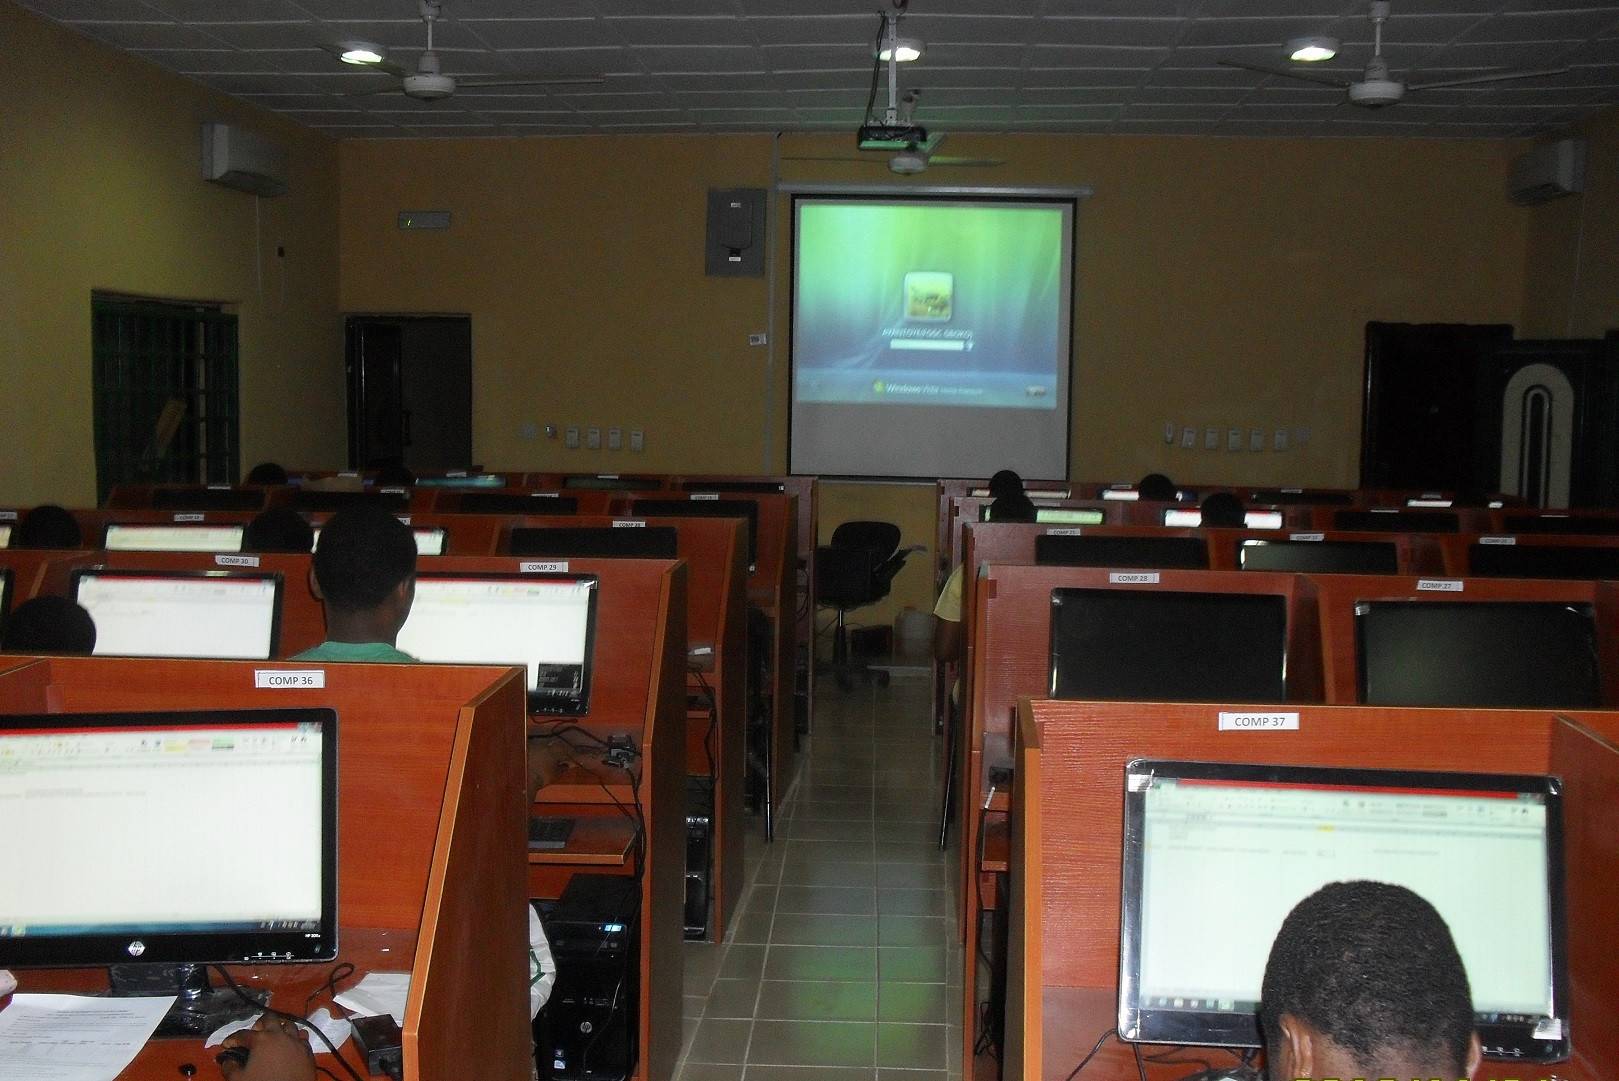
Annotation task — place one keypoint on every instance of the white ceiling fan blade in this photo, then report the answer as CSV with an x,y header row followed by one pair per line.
x,y
374,93
946,159
1496,77
582,80
832,157
1288,73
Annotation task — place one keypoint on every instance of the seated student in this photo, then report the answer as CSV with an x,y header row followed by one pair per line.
x,y
1223,511
279,529
1011,504
364,572
276,1051
393,473
1157,488
47,526
49,624
266,473
1364,981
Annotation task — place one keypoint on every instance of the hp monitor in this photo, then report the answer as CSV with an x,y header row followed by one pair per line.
x,y
218,614
516,503
601,542
1542,561
208,497
1217,855
430,540
1061,550
1318,557
5,535
180,537
697,507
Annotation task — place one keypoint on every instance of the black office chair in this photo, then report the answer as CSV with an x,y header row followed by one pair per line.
x,y
855,570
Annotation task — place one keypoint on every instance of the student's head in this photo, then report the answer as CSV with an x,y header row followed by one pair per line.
x,y
1223,510
365,572
1005,483
1157,488
1364,981
279,529
47,526
266,473
49,625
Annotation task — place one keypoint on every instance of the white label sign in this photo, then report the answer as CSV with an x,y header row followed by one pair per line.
x,y
1439,585
547,495
1498,540
1133,578
404,518
704,495
284,679
543,568
236,561
8,516
1065,532
1258,722
188,517
1307,536
629,523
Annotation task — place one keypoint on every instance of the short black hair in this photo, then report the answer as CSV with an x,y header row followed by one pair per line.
x,y
363,555
1372,967
1223,510
279,529
49,624
47,526
1157,488
266,473
1005,483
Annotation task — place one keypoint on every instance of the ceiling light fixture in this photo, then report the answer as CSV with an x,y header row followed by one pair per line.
x,y
1312,49
905,50
362,53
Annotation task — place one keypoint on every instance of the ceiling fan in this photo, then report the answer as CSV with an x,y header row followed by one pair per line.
x,y
911,148
429,83
1376,88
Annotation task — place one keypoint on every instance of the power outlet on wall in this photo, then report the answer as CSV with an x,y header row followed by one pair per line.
x,y
615,439
570,438
593,438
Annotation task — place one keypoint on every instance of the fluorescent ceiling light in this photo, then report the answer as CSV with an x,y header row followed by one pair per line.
x,y
361,52
905,50
1312,49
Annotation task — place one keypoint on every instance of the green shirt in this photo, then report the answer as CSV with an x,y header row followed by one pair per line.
x,y
355,651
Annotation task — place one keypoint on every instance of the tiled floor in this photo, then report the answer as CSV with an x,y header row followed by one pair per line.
x,y
840,965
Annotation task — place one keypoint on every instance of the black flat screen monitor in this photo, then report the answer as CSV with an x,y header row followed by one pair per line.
x,y
208,498
1399,521
430,540
1168,646
545,623
1217,855
120,843
211,614
1319,557
614,484
1285,497
1561,523
599,542
177,537
516,503
706,508
1502,654
1062,550
758,487
1576,562
389,499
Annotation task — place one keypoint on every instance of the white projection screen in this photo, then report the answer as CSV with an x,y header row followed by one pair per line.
x,y
931,335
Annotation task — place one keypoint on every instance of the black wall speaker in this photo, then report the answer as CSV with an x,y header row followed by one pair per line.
x,y
736,233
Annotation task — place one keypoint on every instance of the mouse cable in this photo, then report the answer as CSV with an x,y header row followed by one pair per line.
x,y
340,972
1141,1067
230,981
1100,1040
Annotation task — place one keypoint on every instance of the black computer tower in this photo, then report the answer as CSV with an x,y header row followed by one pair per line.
x,y
588,1030
699,854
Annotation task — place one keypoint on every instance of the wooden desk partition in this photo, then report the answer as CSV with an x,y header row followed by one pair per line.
x,y
1067,819
431,841
1340,592
1466,552
39,571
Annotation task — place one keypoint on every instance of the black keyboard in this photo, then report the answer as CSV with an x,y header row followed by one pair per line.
x,y
546,832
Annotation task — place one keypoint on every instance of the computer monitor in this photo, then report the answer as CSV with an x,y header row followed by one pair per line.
x,y
5,597
1193,518
121,842
1217,855
1561,523
1168,645
208,498
183,537
220,614
1318,557
1061,550
1068,515
606,483
1034,494
1505,654
543,622
599,542
5,535
390,499
430,540
759,487
463,480
516,503
1286,496
706,508
1542,561
1395,521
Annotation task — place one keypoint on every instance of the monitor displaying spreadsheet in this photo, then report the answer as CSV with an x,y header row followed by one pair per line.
x,y
220,614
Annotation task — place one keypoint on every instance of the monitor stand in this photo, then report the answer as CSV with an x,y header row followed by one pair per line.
x,y
199,1008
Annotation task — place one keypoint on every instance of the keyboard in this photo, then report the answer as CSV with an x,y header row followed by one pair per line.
x,y
549,833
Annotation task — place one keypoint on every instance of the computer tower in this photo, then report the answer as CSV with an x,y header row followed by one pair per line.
x,y
588,1030
699,854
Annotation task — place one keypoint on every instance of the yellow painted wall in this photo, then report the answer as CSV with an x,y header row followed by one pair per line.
x,y
1220,281
1571,287
100,188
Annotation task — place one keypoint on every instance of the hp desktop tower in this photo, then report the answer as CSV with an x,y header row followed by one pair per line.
x,y
588,1030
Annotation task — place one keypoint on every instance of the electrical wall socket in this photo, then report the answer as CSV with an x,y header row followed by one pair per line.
x,y
1188,437
1279,439
637,440
1233,439
570,438
1211,438
615,439
593,438
1256,439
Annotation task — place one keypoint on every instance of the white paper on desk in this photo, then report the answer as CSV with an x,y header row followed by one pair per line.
x,y
378,993
336,1029
74,1037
